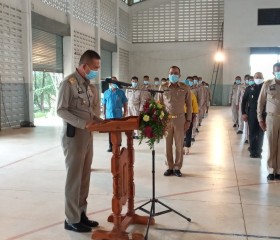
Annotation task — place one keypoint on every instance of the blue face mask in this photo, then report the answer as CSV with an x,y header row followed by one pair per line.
x,y
114,86
146,82
134,84
251,82
190,83
156,82
247,82
238,82
173,78
186,81
91,75
277,75
195,82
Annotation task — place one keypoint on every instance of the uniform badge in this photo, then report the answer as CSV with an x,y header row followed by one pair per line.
x,y
80,90
272,88
72,80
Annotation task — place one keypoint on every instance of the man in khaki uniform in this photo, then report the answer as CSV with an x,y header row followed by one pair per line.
x,y
203,106
232,101
133,95
75,107
156,83
269,102
176,95
239,95
145,95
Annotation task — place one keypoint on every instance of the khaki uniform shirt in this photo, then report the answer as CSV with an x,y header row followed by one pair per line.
x,y
269,99
233,94
75,101
134,101
175,98
96,101
240,93
145,95
199,94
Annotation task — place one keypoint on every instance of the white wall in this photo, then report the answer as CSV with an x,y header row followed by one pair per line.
x,y
155,59
241,24
241,32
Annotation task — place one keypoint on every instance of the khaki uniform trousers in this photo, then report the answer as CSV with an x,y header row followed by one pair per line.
x,y
133,111
175,131
78,152
273,135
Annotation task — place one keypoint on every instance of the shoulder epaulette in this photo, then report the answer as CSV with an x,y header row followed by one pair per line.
x,y
72,80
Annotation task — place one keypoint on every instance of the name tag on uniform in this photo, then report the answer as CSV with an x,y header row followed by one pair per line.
x,y
252,96
272,88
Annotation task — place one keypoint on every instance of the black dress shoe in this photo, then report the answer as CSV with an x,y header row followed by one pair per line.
x,y
136,137
109,150
270,177
199,124
87,222
168,172
76,227
277,176
177,173
234,125
246,141
253,155
239,132
193,140
197,130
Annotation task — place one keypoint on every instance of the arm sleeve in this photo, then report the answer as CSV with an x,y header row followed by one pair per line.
x,y
64,98
188,101
124,98
261,103
245,101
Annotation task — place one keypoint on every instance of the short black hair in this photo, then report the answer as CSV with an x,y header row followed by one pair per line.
x,y
195,76
156,79
239,77
87,56
276,65
134,78
163,79
146,76
189,77
175,67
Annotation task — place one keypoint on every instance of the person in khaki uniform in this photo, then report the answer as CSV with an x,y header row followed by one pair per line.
x,y
239,95
175,97
232,100
133,95
75,106
145,94
203,106
269,102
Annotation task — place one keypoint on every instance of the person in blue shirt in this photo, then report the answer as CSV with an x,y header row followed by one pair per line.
x,y
114,105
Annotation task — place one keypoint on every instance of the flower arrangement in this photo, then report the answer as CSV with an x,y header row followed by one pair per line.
x,y
153,122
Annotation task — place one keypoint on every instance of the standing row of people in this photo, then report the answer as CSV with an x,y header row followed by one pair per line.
x,y
260,108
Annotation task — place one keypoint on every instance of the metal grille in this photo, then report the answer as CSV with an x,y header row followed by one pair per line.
x,y
179,20
85,10
123,65
82,42
11,66
200,20
156,24
108,17
124,31
60,5
47,52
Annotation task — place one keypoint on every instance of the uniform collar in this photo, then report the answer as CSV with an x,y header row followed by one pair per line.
x,y
173,85
80,79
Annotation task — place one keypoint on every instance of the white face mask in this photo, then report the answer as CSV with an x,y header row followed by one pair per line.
x,y
258,81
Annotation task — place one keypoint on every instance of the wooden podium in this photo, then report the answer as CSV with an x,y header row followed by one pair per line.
x,y
123,180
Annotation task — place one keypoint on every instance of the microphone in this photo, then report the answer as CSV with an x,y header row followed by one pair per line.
x,y
118,83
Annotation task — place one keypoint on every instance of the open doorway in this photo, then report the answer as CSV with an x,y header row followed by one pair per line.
x,y
264,63
47,59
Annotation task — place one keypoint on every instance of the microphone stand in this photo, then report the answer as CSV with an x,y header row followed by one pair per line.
x,y
154,200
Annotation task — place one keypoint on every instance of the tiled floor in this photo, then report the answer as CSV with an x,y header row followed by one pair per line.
x,y
223,191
